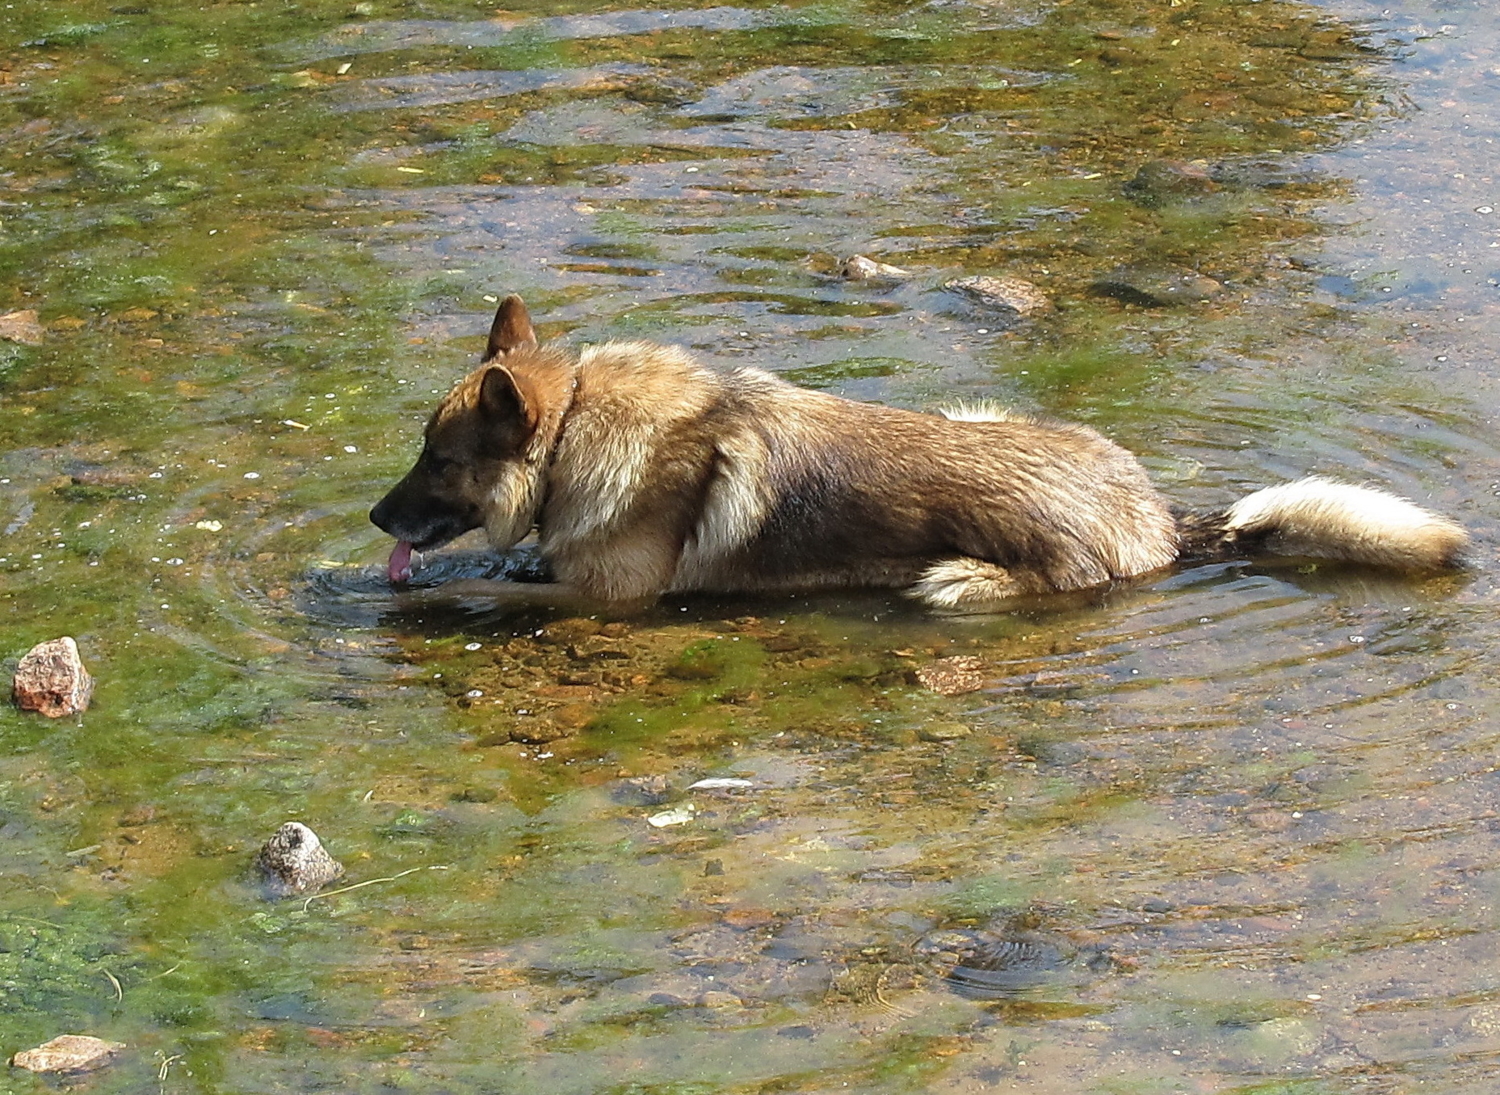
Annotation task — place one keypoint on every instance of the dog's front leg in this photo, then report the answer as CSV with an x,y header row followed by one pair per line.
x,y
484,593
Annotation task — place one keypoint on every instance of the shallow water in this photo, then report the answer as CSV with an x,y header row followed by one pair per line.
x,y
1231,829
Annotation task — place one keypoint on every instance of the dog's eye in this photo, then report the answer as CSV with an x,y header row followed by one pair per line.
x,y
435,463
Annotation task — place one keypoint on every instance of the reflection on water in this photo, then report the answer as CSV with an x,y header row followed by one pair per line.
x,y
1230,828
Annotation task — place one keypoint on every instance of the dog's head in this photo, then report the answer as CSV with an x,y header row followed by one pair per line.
x,y
485,451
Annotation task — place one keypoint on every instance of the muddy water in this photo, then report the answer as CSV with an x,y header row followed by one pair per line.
x,y
1230,829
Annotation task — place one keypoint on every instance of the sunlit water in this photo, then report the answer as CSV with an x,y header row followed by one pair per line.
x,y
1228,829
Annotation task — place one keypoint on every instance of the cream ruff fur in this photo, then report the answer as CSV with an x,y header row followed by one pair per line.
x,y
644,472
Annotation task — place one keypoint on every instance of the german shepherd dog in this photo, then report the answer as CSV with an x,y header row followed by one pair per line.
x,y
643,473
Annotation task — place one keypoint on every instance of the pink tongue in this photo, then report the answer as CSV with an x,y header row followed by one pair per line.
x,y
400,564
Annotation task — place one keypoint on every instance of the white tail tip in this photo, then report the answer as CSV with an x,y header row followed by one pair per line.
x,y
1332,520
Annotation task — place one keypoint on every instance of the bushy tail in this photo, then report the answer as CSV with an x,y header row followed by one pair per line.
x,y
1326,519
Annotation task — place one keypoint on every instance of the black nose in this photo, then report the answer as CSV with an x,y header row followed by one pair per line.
x,y
380,515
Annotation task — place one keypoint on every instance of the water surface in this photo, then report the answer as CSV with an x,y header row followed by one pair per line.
x,y
1230,829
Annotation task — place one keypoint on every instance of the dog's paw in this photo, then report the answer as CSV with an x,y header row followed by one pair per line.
x,y
964,584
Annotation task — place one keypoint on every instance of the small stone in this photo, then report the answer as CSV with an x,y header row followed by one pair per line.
x,y
539,733
944,731
861,268
677,815
50,678
68,1053
1162,182
643,790
1053,683
597,648
573,717
294,861
568,631
952,676
721,783
21,327
1157,286
1288,1036
716,999
1013,298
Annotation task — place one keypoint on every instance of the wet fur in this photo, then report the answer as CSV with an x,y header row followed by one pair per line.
x,y
644,472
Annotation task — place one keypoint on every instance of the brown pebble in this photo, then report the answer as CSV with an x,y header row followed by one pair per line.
x,y
715,999
952,676
21,327
1016,297
68,1053
51,679
539,733
563,632
943,731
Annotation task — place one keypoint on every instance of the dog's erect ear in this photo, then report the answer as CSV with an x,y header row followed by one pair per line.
x,y
509,417
511,329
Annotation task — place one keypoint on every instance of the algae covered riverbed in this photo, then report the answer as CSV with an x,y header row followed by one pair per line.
x,y
1232,829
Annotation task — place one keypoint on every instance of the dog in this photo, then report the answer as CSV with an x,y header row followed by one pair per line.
x,y
644,472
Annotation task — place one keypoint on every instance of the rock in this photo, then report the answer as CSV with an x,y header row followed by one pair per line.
x,y
860,268
663,91
1162,182
944,731
1053,683
643,790
677,815
722,783
568,631
1287,1037
137,315
540,732
68,1053
294,861
716,999
21,327
51,679
597,648
952,676
1157,286
1013,298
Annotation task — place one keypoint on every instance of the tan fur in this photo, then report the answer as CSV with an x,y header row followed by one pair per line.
x,y
1317,516
644,472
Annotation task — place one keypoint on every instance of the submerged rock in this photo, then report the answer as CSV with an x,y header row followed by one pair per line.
x,y
1157,286
1161,182
642,790
952,676
50,678
1012,298
294,861
861,268
68,1053
944,731
22,327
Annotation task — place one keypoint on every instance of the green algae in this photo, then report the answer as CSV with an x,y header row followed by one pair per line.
x,y
217,248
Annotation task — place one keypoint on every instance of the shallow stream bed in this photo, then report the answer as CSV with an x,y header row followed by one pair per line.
x,y
1235,828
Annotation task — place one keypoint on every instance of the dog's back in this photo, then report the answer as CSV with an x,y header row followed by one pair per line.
x,y
672,476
